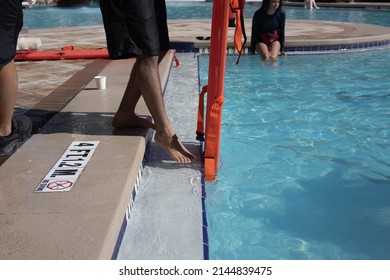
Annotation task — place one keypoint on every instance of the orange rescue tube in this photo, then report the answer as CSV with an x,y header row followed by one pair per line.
x,y
67,52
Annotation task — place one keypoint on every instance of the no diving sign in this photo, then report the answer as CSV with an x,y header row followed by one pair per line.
x,y
63,175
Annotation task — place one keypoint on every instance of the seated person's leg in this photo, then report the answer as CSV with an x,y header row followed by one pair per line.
x,y
262,49
274,50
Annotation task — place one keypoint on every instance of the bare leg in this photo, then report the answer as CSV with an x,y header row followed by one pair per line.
x,y
126,116
147,78
8,93
306,4
262,49
274,49
310,4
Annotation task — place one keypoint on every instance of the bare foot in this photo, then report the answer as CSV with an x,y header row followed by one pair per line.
x,y
132,121
174,148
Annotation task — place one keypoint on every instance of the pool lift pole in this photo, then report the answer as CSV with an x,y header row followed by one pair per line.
x,y
215,87
216,80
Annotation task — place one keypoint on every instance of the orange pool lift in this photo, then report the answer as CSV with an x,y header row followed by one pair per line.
x,y
216,81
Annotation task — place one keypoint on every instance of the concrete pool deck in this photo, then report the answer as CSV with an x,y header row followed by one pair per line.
x,y
60,96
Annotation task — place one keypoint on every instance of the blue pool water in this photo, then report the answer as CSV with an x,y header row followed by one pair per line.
x,y
49,17
305,159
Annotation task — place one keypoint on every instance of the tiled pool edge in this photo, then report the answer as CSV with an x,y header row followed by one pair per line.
x,y
353,47
320,49
130,205
317,49
206,255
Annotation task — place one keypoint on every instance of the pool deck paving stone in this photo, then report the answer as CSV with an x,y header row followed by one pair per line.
x,y
65,105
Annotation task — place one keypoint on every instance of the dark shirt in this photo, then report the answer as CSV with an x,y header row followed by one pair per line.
x,y
265,23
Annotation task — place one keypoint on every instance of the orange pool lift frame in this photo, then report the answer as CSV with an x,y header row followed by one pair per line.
x,y
216,80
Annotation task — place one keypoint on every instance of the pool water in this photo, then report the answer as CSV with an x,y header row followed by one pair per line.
x,y
52,17
305,159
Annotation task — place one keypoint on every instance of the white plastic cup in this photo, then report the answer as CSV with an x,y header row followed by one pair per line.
x,y
100,82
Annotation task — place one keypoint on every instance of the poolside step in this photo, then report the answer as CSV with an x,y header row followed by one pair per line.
x,y
85,222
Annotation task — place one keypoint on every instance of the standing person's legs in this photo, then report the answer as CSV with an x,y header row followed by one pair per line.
x,y
11,22
8,93
148,76
144,35
148,36
315,5
310,4
13,131
126,117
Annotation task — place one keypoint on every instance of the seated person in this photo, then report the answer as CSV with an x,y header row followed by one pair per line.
x,y
268,30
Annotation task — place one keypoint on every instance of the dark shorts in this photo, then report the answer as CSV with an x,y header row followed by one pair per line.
x,y
135,27
11,22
